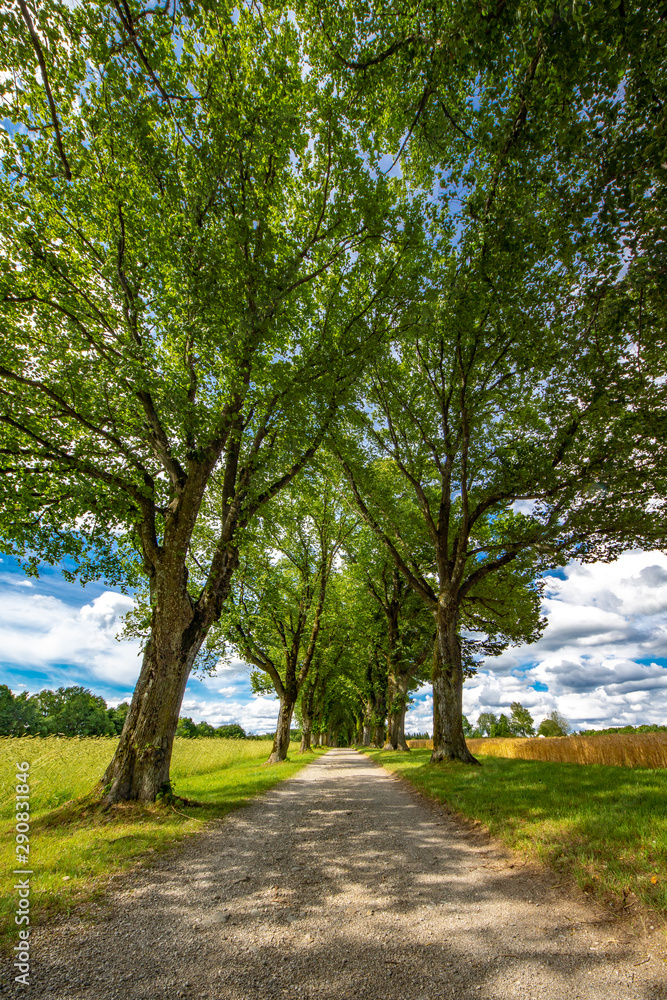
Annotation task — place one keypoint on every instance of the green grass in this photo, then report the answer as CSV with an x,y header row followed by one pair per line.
x,y
75,847
605,827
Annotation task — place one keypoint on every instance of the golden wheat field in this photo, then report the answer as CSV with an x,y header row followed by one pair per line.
x,y
63,768
618,749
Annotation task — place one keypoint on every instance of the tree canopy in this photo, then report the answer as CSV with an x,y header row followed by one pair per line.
x,y
431,242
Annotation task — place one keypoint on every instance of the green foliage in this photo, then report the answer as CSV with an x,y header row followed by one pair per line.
x,y
502,727
468,729
75,711
186,728
554,725
521,721
281,607
649,728
485,723
71,711
231,731
20,714
118,716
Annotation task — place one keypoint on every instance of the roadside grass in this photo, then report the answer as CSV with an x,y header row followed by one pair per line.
x,y
75,847
603,826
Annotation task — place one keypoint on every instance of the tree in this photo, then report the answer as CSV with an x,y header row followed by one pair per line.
x,y
502,727
20,715
231,731
118,715
75,711
403,635
555,724
185,297
485,724
277,607
521,721
186,728
527,323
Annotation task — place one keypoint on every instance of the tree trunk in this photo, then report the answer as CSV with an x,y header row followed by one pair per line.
x,y
281,742
393,719
401,743
448,739
305,738
392,704
140,765
378,735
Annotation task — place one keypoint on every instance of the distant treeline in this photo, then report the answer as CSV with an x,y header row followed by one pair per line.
x,y
193,730
70,711
624,729
75,711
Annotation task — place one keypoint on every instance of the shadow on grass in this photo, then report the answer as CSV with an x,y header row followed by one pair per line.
x,y
604,826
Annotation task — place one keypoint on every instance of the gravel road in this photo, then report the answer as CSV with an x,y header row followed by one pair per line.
x,y
342,883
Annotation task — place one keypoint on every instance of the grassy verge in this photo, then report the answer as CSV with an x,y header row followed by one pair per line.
x,y
605,827
75,847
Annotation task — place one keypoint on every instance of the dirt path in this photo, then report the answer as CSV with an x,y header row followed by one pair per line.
x,y
341,883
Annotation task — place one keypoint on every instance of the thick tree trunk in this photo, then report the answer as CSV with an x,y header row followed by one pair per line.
x,y
368,716
401,743
305,738
281,741
378,735
140,766
393,719
448,739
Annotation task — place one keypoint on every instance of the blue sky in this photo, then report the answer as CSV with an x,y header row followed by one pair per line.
x,y
601,661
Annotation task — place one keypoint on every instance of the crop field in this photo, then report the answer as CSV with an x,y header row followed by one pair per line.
x,y
75,847
617,749
603,827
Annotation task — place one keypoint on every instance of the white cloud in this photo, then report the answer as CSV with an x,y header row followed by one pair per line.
x,y
39,631
601,658
257,715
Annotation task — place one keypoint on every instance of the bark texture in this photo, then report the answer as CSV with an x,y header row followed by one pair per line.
x,y
140,766
282,737
448,739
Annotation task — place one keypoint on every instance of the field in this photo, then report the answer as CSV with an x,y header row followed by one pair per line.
x,y
75,848
618,749
604,827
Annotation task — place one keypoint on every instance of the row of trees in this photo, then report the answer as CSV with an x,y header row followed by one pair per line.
x,y
68,711
519,723
271,273
198,730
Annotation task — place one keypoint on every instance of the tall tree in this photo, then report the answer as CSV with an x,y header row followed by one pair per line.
x,y
277,606
193,254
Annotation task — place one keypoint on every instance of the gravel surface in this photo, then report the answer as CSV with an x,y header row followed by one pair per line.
x,y
342,883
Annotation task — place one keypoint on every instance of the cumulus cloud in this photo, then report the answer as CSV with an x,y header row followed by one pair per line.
x,y
601,660
76,645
